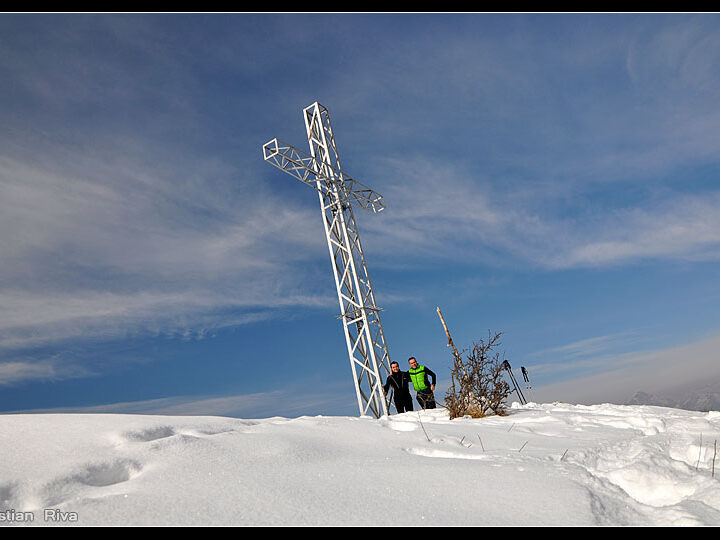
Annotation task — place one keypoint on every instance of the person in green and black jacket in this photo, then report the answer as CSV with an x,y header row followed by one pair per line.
x,y
424,387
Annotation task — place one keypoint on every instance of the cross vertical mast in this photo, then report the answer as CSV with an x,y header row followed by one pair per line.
x,y
364,336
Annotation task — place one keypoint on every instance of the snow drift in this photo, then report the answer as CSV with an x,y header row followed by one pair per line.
x,y
549,464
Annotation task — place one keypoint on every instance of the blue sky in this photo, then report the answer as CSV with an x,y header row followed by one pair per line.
x,y
553,177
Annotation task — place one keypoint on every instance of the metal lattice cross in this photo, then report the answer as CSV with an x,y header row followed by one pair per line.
x,y
338,193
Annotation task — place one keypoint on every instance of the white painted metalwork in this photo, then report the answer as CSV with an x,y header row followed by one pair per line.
x,y
338,193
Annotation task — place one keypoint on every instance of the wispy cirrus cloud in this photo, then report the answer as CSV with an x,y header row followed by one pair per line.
x,y
288,402
580,156
590,346
104,248
34,319
22,370
442,212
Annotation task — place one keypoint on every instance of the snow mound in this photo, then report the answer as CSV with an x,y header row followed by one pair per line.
x,y
543,464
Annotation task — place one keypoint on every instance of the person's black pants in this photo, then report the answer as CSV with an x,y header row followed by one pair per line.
x,y
403,403
426,399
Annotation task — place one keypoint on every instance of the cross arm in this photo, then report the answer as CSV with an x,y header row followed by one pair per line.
x,y
303,167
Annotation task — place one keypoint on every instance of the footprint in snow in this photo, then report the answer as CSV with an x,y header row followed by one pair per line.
x,y
7,496
150,434
91,476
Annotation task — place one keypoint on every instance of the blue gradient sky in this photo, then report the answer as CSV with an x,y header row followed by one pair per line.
x,y
553,177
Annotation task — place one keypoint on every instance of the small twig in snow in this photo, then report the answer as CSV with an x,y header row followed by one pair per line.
x,y
423,428
699,453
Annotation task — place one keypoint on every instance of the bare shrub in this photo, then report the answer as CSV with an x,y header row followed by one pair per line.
x,y
477,382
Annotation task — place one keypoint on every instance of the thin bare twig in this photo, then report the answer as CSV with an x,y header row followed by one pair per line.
x,y
699,453
423,427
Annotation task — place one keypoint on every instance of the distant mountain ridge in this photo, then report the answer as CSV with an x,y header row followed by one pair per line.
x,y
706,398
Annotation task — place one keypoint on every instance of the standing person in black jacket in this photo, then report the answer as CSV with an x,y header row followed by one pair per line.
x,y
400,382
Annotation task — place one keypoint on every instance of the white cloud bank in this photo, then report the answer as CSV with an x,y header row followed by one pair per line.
x,y
619,376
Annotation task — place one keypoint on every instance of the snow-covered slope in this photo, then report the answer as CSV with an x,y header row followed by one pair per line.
x,y
551,464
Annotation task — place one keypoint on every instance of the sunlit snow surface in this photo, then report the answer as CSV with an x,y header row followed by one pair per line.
x,y
543,464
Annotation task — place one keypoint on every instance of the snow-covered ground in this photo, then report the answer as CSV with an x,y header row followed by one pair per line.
x,y
543,464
